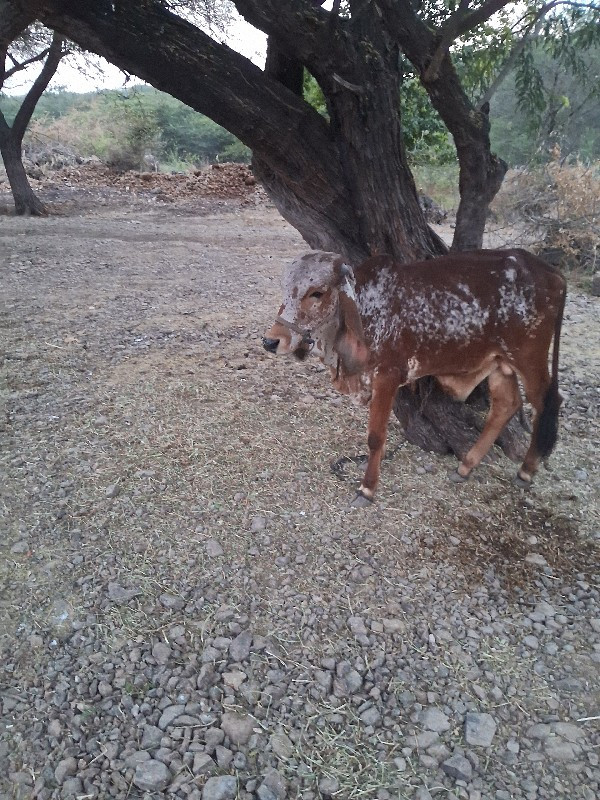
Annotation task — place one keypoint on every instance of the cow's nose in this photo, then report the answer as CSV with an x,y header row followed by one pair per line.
x,y
270,344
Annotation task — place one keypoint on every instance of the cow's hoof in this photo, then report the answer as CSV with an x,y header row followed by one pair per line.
x,y
522,483
456,477
360,501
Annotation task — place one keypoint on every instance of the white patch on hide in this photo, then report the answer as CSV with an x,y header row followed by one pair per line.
x,y
413,369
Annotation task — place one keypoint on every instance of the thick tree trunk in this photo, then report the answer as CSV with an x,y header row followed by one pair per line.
x,y
11,137
26,202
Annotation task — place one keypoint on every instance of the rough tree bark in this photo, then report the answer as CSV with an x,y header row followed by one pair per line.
x,y
344,183
11,136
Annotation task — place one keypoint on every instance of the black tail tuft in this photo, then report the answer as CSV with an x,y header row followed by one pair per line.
x,y
547,426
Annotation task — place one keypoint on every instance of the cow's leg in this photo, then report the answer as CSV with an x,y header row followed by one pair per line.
x,y
384,391
504,401
536,387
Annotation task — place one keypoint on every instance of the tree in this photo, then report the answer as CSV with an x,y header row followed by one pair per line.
x,y
32,45
343,179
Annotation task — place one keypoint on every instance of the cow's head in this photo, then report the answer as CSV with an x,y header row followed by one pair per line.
x,y
319,308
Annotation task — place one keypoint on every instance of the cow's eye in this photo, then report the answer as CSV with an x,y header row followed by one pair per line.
x,y
316,295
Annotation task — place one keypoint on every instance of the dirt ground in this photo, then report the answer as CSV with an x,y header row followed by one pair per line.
x,y
167,492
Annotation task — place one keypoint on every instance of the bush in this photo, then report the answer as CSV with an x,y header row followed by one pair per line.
x,y
560,203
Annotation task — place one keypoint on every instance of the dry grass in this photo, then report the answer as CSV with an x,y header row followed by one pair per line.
x,y
557,209
110,381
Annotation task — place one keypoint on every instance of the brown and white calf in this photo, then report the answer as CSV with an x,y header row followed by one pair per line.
x,y
461,318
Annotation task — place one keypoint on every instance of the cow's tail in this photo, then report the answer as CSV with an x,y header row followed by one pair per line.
x,y
546,432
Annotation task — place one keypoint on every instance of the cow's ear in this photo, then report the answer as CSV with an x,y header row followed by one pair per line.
x,y
350,343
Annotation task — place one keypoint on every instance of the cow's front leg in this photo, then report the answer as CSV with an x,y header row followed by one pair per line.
x,y
382,400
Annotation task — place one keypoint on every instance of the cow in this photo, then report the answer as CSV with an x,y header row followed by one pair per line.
x,y
461,318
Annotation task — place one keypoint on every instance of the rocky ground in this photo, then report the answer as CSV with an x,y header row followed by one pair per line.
x,y
190,608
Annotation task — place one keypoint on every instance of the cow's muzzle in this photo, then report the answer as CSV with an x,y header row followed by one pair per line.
x,y
307,340
270,345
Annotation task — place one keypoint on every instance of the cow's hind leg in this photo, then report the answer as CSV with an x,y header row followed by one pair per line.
x,y
545,405
384,391
505,400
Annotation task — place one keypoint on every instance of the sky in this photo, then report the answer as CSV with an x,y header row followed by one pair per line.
x,y
76,77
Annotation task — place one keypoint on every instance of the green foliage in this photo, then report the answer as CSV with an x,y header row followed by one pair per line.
x,y
313,94
426,137
121,127
543,105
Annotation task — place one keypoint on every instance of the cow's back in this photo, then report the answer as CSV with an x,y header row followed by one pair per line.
x,y
467,302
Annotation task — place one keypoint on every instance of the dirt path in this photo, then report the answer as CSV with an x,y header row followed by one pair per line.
x,y
189,609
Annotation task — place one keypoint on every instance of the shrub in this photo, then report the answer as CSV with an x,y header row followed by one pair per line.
x,y
559,202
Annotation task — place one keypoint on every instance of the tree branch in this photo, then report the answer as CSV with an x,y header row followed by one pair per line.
x,y
301,29
448,35
481,14
145,39
23,117
15,16
177,57
21,65
514,54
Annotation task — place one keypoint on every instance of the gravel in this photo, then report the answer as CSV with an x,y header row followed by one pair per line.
x,y
222,626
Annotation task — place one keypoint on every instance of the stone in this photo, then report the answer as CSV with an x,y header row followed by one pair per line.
x,y
458,767
273,786
394,626
536,559
328,786
64,769
532,642
357,626
172,602
425,739
213,548
239,649
432,719
203,764
161,653
136,758
479,729
238,727
234,679
118,594
151,736
223,787
559,750
258,524
169,715
152,776
371,716
568,731
224,756
281,745
72,787
539,731
596,284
